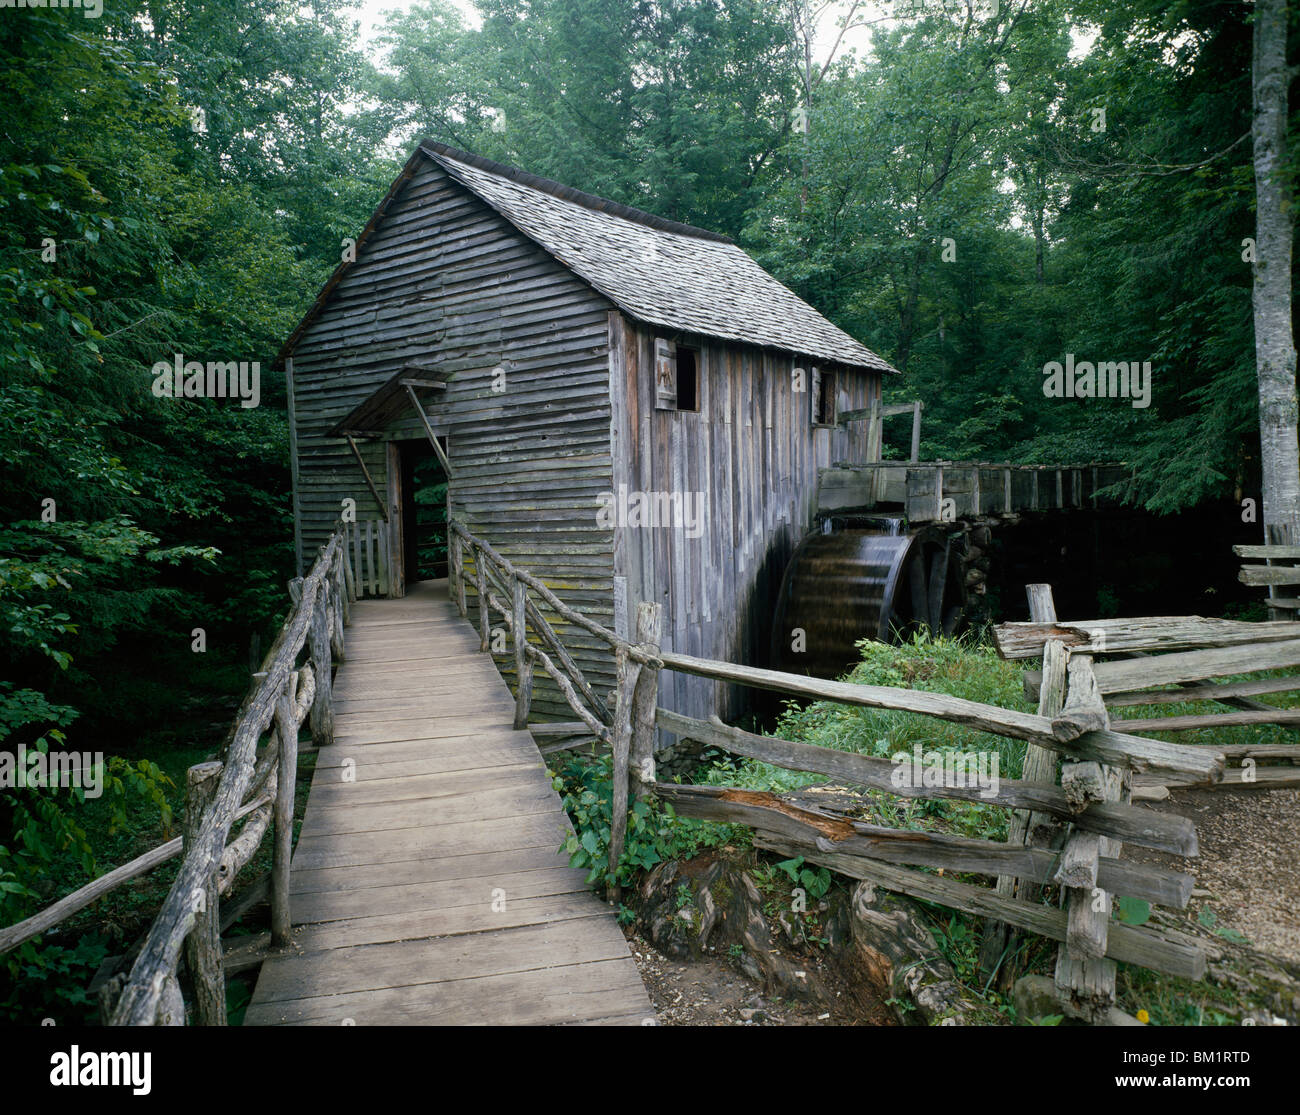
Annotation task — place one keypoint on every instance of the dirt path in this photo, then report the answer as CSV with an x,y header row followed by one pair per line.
x,y
1249,862
712,992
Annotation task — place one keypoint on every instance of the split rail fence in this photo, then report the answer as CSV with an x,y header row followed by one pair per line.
x,y
1069,833
1280,573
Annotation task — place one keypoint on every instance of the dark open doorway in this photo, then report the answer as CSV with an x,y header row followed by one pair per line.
x,y
424,512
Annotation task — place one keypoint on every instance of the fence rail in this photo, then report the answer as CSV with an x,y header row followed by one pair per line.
x,y
1069,831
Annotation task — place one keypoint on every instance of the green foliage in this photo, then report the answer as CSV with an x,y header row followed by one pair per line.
x,y
815,882
130,233
193,169
51,981
431,518
958,667
1207,917
654,831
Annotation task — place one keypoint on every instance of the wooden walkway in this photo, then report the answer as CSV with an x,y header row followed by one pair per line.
x,y
426,884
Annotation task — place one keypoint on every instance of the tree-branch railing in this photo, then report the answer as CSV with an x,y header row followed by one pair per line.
x,y
504,588
243,785
284,695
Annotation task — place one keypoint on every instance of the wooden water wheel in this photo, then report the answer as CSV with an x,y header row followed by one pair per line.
x,y
850,585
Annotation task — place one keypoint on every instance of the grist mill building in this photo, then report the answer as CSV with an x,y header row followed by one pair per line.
x,y
630,408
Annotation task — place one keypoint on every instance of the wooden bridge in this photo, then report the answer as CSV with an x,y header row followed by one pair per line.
x,y
426,888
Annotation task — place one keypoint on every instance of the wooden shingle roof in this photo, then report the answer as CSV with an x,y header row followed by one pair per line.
x,y
663,273
666,274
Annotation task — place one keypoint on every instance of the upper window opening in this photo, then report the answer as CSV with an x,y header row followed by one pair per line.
x,y
688,380
677,376
823,398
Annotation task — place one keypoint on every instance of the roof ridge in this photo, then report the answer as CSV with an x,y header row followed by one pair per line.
x,y
567,193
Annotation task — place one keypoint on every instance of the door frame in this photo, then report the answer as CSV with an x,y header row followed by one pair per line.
x,y
396,523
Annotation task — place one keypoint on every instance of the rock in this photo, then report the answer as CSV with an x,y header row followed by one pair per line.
x,y
1035,997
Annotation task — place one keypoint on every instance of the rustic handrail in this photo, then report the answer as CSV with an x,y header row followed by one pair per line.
x,y
561,609
189,920
629,726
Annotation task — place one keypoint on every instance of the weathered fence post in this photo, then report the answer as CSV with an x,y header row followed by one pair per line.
x,y
286,776
349,577
1085,976
203,944
1039,766
621,746
484,611
171,1004
641,760
339,609
456,570
523,663
318,641
356,565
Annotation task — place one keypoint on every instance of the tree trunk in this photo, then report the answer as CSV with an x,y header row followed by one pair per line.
x,y
1275,355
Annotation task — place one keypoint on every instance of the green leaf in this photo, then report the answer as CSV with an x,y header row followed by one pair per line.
x,y
1133,911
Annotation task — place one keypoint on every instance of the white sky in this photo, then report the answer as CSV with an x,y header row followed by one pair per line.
x,y
371,12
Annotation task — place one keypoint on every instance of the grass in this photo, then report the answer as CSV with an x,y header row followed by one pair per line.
x,y
1256,734
958,667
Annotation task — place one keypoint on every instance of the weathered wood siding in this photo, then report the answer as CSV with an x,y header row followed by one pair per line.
x,y
445,282
753,453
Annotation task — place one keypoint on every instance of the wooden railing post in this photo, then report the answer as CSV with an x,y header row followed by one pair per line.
x,y
203,944
523,663
1085,976
338,609
286,777
318,640
345,556
1039,766
357,565
456,570
484,610
649,617
641,759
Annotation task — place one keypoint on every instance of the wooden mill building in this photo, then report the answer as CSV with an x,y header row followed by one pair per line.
x,y
585,367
